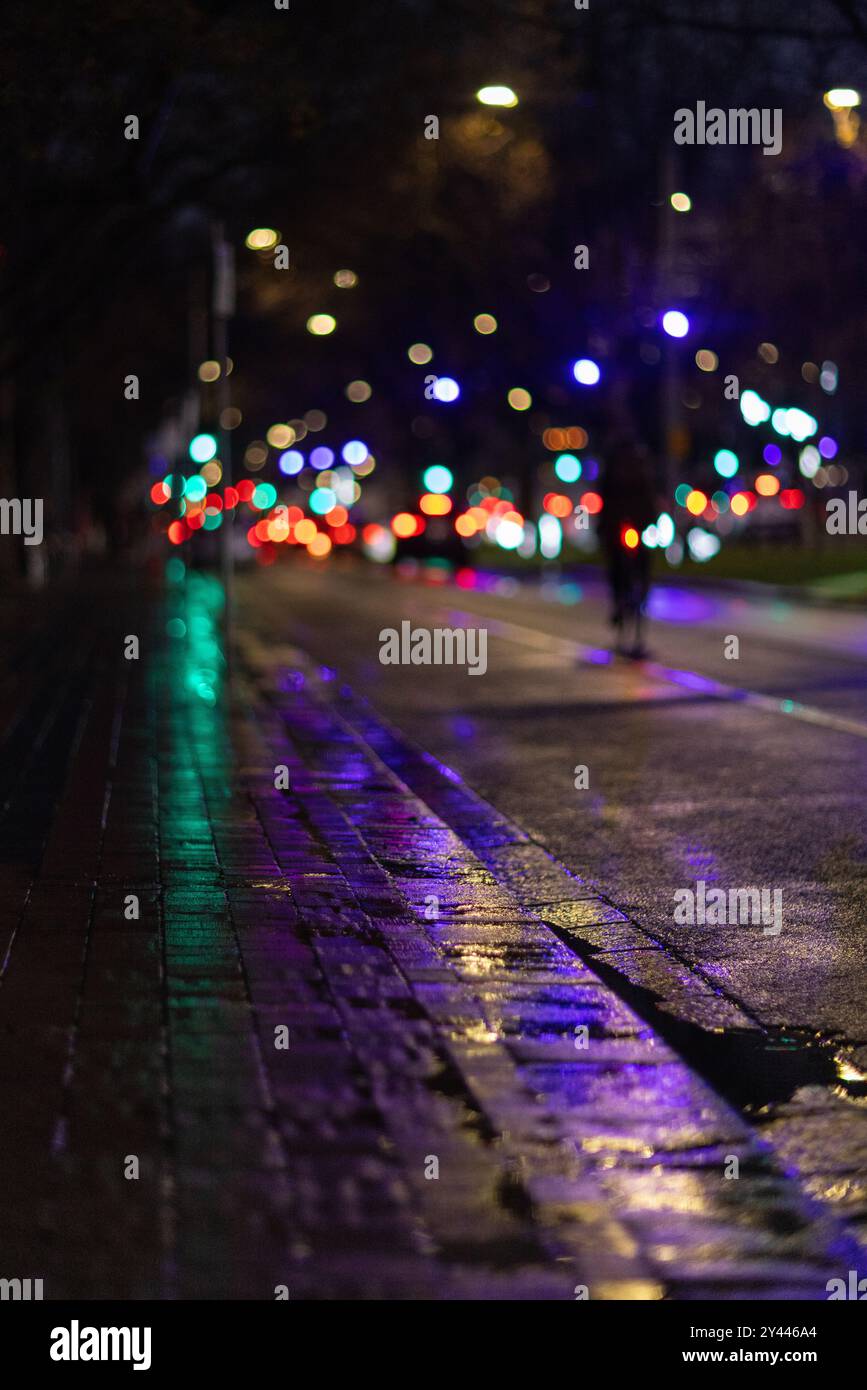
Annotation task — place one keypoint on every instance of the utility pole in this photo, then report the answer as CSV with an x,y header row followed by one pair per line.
x,y
672,434
223,307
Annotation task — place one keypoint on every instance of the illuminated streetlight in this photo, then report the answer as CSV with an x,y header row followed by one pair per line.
x,y
841,102
842,99
496,96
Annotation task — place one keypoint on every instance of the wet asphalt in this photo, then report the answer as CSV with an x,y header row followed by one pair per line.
x,y
685,782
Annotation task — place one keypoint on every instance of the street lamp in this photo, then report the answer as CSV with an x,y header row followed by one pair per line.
x,y
841,102
496,96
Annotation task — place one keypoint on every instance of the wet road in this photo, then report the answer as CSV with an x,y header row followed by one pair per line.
x,y
741,773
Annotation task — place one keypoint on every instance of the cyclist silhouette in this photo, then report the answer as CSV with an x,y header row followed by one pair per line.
x,y
628,506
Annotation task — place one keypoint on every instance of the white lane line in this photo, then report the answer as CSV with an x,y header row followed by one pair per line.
x,y
690,681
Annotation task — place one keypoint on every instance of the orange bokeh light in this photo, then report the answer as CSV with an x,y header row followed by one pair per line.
x,y
557,504
435,504
405,524
319,546
767,485
696,502
573,437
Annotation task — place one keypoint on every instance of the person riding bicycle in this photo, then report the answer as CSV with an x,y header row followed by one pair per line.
x,y
628,506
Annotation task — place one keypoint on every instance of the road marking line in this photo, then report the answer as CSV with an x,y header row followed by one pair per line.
x,y
672,675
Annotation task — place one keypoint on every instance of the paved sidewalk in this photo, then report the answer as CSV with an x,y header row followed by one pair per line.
x,y
431,1130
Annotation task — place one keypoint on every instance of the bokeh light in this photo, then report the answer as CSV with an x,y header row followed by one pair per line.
x,y
291,462
438,478
767,485
726,463
696,502
497,96
568,468
586,372
754,410
202,448
261,239
435,504
354,451
446,389
675,323
322,499
256,455
264,496
419,353
404,525
319,545
280,436
320,325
